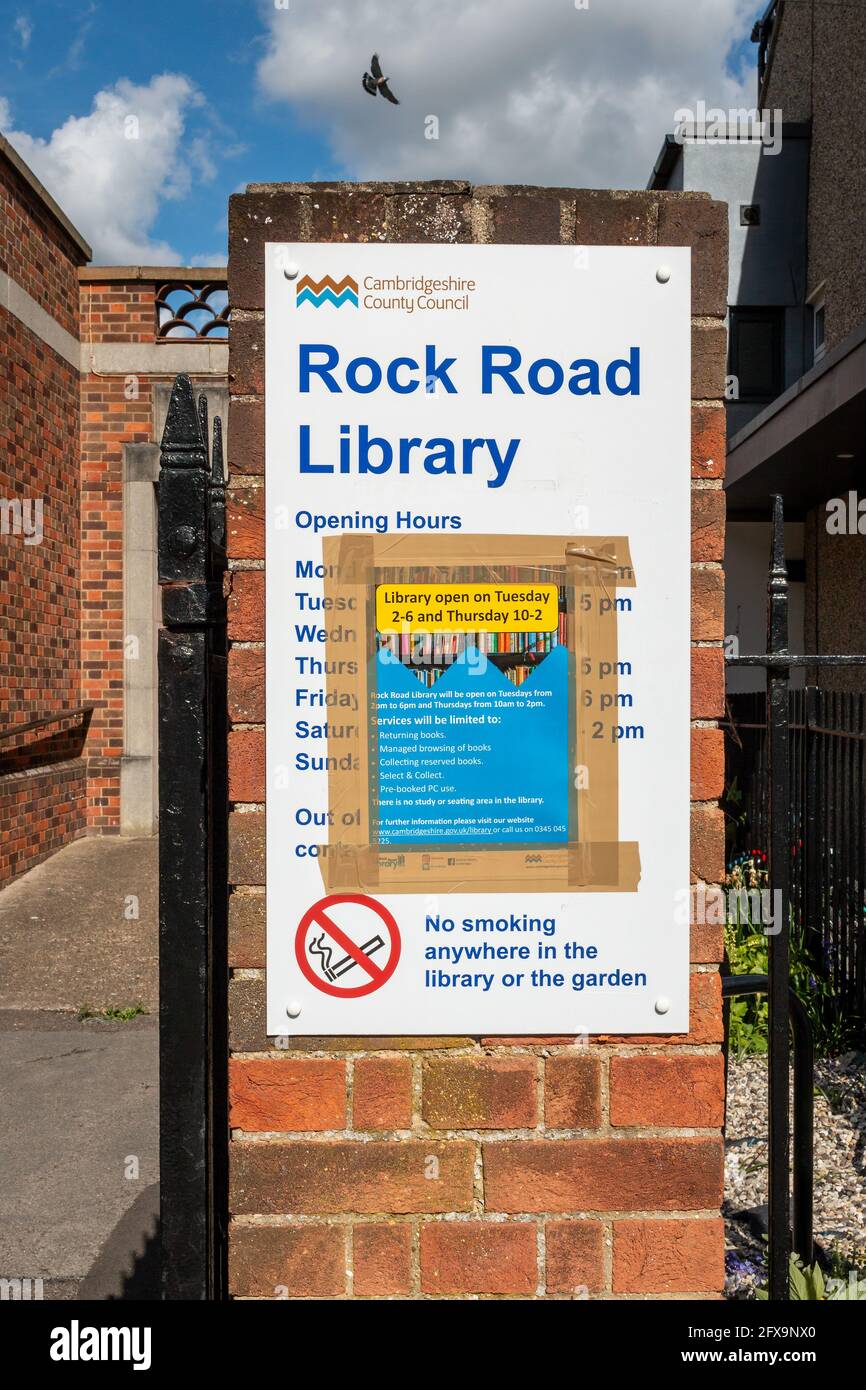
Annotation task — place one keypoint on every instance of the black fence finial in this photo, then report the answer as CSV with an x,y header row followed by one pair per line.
x,y
183,444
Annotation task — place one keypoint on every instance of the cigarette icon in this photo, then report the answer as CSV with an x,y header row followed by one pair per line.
x,y
320,948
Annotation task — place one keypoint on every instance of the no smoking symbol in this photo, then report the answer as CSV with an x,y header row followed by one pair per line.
x,y
333,945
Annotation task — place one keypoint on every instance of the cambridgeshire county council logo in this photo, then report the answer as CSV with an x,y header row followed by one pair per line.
x,y
327,291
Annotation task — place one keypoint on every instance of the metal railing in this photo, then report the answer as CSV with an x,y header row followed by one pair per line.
x,y
825,825
779,661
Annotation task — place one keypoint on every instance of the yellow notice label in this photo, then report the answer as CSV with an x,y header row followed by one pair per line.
x,y
467,607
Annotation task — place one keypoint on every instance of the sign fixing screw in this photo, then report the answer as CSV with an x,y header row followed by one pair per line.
x,y
663,274
662,1005
293,1009
292,271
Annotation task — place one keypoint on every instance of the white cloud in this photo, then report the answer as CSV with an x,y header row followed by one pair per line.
x,y
209,259
540,92
200,157
71,62
111,170
24,30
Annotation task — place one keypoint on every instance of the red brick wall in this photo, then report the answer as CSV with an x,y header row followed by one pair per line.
x,y
61,439
41,810
35,251
40,583
562,1168
118,312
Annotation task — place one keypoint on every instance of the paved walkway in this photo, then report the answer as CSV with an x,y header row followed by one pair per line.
x,y
79,1138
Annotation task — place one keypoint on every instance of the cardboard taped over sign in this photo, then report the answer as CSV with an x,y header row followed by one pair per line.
x,y
588,571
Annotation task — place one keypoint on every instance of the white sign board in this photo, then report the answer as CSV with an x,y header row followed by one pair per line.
x,y
477,644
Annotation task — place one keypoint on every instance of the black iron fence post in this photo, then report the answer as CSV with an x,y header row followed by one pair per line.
x,y
804,1105
812,819
779,947
192,800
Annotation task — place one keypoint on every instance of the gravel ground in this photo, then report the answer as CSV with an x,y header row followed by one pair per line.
x,y
840,1164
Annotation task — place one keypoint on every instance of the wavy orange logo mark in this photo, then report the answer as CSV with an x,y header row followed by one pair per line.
x,y
327,291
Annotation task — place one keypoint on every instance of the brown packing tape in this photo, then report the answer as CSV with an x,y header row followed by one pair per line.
x,y
354,556
592,582
573,868
592,569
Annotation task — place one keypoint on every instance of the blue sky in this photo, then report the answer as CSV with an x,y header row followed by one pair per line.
x,y
75,50
261,92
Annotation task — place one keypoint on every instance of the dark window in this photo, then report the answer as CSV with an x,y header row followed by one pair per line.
x,y
819,325
756,353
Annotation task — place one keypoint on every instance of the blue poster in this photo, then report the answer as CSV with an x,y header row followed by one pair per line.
x,y
473,758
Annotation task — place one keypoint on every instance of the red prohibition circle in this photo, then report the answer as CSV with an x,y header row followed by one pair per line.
x,y
318,916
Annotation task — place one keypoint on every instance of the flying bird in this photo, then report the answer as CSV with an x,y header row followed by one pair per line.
x,y
374,82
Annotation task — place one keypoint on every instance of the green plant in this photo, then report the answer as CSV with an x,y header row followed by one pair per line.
x,y
746,945
732,809
113,1014
835,1097
807,1283
748,1026
746,950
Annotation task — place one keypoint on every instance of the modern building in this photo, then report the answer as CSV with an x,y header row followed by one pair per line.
x,y
794,177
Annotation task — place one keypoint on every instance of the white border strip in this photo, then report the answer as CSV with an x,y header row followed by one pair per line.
x,y
24,308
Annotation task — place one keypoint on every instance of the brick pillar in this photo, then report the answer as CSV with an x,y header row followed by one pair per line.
x,y
565,1168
